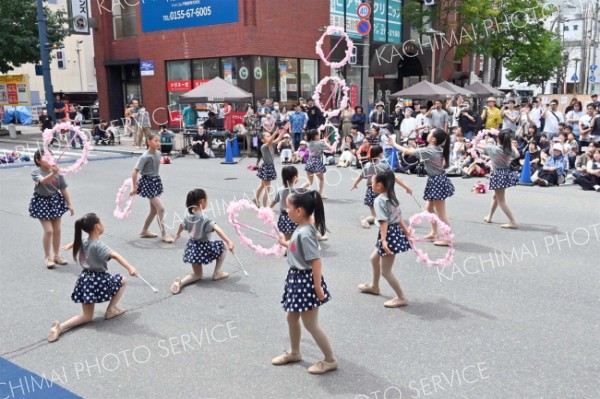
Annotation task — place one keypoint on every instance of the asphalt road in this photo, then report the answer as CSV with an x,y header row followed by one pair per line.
x,y
516,316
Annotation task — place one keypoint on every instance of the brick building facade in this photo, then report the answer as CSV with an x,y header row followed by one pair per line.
x,y
268,40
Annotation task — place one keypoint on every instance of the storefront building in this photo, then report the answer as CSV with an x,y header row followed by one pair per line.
x,y
155,51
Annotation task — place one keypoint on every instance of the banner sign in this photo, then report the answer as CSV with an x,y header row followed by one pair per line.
x,y
179,86
387,26
177,14
147,68
79,15
14,90
283,82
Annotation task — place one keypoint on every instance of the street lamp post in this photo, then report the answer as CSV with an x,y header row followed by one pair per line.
x,y
79,64
433,34
576,82
43,38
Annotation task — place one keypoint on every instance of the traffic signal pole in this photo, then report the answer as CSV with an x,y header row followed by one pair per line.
x,y
43,38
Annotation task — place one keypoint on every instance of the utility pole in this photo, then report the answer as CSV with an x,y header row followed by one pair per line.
x,y
43,38
364,98
78,49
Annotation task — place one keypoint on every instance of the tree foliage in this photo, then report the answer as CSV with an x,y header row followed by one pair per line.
x,y
19,32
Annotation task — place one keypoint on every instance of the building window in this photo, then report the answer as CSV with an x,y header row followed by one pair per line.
x,y
124,20
179,79
204,70
565,27
309,77
266,77
288,80
575,27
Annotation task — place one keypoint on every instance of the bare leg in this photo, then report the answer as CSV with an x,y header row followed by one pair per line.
x,y
501,195
259,191
488,218
85,317
149,218
440,210
47,236
265,197
295,331
310,320
160,213
386,271
309,183
218,274
193,277
56,230
321,183
112,305
429,205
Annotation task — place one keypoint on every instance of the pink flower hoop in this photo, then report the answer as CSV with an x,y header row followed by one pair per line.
x,y
267,216
123,191
343,102
48,136
446,235
327,125
333,30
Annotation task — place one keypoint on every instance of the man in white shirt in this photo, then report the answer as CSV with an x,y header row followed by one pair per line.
x,y
423,122
536,114
552,117
454,111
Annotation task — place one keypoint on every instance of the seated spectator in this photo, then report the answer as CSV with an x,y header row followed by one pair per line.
x,y
554,169
373,136
100,135
525,139
534,157
302,154
348,156
363,153
408,163
286,149
591,180
166,139
474,166
113,132
200,144
357,136
458,148
211,122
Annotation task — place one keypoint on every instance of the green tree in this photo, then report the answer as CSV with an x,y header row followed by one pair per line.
x,y
539,64
19,32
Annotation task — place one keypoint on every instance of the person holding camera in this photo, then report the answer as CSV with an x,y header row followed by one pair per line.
x,y
552,117
491,115
510,116
468,120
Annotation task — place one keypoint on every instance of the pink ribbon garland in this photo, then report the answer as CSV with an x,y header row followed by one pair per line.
x,y
48,136
124,190
446,235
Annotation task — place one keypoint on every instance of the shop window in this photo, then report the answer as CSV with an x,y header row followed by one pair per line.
x,y
309,77
266,77
124,20
179,79
204,70
288,81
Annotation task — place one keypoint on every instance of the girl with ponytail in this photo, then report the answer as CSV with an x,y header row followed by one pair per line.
x,y
435,158
95,284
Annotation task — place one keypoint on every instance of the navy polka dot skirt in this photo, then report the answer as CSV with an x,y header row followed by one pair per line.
x,y
284,224
370,196
396,240
503,178
203,252
438,188
149,186
315,165
299,293
96,287
267,172
47,207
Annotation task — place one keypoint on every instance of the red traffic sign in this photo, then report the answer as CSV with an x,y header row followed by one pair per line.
x,y
363,10
363,27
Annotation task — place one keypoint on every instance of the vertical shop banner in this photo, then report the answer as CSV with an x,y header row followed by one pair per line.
x,y
283,82
380,13
394,29
79,15
177,14
227,72
336,16
14,90
353,95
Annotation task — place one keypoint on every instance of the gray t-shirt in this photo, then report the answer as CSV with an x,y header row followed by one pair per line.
x,y
94,255
432,158
439,118
148,163
371,169
316,148
303,247
281,197
385,211
268,153
57,183
198,226
499,159
507,124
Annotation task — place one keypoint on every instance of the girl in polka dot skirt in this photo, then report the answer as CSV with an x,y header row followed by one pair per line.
x,y
305,289
392,238
199,249
370,170
289,175
503,177
266,172
95,284
50,201
314,166
150,186
435,158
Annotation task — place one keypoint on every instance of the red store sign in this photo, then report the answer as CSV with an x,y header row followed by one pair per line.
x,y
179,85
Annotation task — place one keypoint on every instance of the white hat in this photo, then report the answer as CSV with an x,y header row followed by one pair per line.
x,y
379,103
286,136
491,99
303,142
557,147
